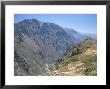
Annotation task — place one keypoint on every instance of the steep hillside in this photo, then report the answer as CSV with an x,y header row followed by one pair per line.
x,y
81,61
38,44
75,36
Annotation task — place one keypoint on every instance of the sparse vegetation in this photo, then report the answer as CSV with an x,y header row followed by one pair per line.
x,y
84,63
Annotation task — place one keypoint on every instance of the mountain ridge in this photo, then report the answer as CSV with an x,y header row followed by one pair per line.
x,y
39,46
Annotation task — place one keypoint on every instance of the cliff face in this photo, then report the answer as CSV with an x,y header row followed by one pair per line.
x,y
38,44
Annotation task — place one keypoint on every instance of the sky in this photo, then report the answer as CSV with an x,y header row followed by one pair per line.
x,y
86,23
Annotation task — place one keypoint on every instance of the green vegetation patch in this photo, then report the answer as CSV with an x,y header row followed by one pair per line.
x,y
71,59
88,58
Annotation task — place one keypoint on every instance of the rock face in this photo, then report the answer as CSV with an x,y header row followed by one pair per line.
x,y
39,46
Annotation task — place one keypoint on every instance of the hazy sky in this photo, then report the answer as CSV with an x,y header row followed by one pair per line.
x,y
80,22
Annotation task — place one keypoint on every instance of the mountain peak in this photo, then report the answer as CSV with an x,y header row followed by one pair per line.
x,y
39,46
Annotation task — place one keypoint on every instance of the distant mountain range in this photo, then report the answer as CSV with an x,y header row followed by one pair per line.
x,y
79,36
40,45
89,35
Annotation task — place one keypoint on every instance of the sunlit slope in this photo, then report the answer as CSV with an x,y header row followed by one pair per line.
x,y
81,61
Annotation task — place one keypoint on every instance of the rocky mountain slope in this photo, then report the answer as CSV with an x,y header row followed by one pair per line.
x,y
81,61
40,46
75,36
